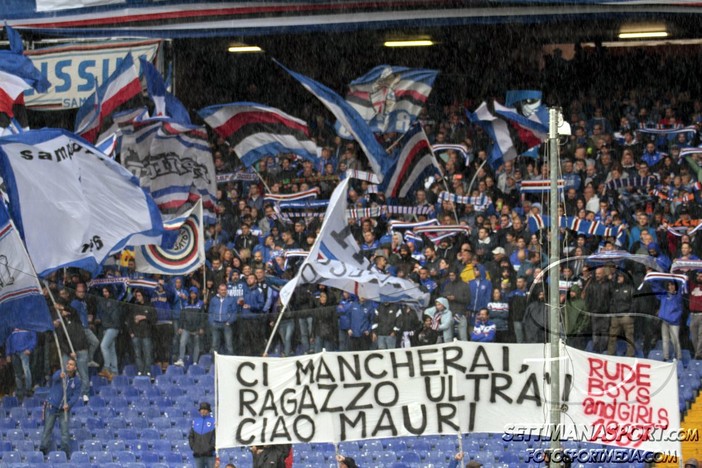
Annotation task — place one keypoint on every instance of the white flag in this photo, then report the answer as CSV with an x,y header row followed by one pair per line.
x,y
336,261
73,205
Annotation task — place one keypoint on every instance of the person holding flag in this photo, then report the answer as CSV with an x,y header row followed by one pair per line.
x,y
63,396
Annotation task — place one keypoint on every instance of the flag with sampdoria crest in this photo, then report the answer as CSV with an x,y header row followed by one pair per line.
x,y
390,98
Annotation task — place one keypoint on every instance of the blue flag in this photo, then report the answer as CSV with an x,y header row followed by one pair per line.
x,y
350,118
22,304
165,103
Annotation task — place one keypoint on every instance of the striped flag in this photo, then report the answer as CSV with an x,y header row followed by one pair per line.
x,y
121,86
17,74
389,98
173,161
257,131
22,304
502,148
540,185
349,118
416,159
187,253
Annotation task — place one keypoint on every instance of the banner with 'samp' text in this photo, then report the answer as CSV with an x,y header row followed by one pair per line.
x,y
446,389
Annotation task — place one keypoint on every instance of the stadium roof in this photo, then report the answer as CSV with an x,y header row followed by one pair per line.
x,y
199,18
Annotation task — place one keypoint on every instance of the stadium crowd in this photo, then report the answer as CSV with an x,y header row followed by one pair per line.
x,y
484,284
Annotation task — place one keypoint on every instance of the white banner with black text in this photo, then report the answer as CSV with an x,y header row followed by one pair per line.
x,y
445,389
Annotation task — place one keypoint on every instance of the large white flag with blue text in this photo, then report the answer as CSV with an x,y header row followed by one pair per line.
x,y
336,261
72,205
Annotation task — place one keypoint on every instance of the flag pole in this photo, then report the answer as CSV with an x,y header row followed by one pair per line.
x,y
275,330
60,318
553,295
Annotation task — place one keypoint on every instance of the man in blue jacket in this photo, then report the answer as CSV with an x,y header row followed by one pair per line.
x,y
221,315
250,325
202,437
361,315
19,347
484,329
58,407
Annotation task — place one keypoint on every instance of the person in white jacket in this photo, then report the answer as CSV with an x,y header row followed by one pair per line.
x,y
442,319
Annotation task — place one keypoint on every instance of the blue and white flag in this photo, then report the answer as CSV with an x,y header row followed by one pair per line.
x,y
336,260
22,304
348,117
173,161
17,74
165,104
72,205
187,253
502,148
390,98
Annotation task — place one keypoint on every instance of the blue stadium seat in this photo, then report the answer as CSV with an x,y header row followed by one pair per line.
x,y
97,381
18,413
9,402
187,382
385,458
159,445
205,361
23,445
180,446
125,457
411,458
108,392
400,465
161,423
57,456
151,412
7,424
149,434
34,458
120,381
28,423
12,458
115,445
80,457
148,457
141,381
172,458
163,403
422,446
196,370
105,413
127,434
155,370
31,402
139,423
14,435
102,457
5,446
93,446
175,370
172,391
175,433
129,371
